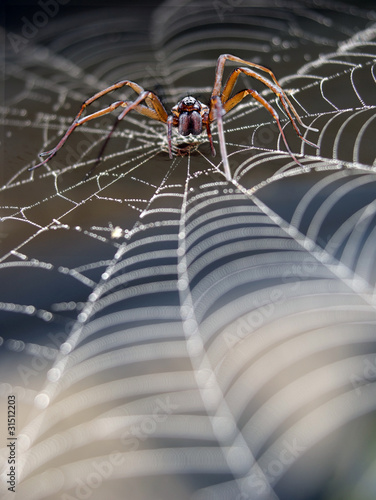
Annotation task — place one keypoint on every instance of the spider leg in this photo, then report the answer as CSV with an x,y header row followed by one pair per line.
x,y
75,124
241,95
274,86
157,112
100,154
287,106
151,113
221,135
206,122
170,121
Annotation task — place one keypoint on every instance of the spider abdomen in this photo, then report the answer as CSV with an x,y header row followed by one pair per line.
x,y
190,122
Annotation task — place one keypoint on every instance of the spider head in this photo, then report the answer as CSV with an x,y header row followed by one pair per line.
x,y
188,116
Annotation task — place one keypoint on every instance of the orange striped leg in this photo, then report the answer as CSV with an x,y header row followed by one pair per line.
x,y
158,113
240,96
275,87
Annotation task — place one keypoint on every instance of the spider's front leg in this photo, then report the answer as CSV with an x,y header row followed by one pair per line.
x,y
273,85
237,98
216,112
222,108
221,102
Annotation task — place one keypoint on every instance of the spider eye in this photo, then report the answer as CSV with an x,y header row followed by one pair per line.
x,y
189,103
190,123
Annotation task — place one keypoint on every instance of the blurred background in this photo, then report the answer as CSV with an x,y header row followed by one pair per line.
x,y
169,334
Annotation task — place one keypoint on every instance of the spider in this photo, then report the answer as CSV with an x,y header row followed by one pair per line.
x,y
190,115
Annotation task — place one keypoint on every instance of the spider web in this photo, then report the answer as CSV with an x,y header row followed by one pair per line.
x,y
168,333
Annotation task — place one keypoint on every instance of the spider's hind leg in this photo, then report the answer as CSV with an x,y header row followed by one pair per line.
x,y
286,106
274,114
231,103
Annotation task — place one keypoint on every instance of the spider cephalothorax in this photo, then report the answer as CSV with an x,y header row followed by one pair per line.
x,y
189,115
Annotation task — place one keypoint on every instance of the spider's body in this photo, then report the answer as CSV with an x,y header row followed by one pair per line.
x,y
189,115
